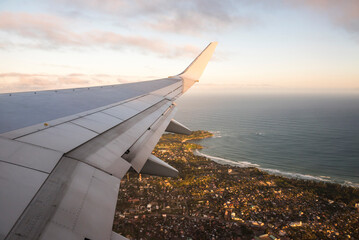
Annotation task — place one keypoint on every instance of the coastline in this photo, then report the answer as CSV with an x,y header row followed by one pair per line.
x,y
276,172
301,178
209,200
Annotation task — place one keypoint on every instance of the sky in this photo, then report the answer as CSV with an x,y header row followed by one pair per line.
x,y
264,45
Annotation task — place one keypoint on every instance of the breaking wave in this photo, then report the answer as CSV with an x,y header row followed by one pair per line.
x,y
351,184
216,134
224,161
295,175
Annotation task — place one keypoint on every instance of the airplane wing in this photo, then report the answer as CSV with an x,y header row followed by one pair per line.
x,y
63,152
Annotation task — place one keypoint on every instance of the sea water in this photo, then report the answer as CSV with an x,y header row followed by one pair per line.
x,y
310,136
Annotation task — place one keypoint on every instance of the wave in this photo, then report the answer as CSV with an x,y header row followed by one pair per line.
x,y
327,177
351,184
260,133
225,161
296,175
216,134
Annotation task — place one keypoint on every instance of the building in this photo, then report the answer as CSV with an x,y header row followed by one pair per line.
x,y
266,237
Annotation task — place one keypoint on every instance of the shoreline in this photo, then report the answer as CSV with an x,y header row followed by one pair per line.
x,y
275,172
210,200
312,181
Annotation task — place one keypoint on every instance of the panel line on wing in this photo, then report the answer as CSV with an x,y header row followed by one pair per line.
x,y
124,164
47,106
41,208
105,150
53,123
142,148
85,127
18,165
17,198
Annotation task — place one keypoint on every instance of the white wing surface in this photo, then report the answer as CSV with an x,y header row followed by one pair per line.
x,y
64,152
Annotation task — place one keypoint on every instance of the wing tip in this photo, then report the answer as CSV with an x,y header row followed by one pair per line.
x,y
196,68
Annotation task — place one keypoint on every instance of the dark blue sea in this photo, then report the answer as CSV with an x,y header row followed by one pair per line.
x,y
310,136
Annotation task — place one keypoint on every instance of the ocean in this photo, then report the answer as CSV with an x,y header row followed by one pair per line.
x,y
309,136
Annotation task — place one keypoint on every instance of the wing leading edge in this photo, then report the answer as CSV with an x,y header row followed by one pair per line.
x,y
61,165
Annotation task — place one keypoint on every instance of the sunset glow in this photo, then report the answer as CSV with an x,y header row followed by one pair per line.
x,y
263,45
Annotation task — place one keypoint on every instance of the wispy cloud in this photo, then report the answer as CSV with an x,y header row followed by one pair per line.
x,y
17,82
59,66
195,17
192,17
342,13
193,23
39,26
55,32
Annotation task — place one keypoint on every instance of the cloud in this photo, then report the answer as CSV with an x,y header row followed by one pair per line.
x,y
59,66
195,17
342,13
56,32
116,41
193,23
39,26
192,17
18,82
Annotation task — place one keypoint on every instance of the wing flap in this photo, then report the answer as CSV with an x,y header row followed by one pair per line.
x,y
157,167
142,148
121,112
174,94
116,236
177,84
21,185
176,127
105,151
27,155
62,138
78,202
87,207
98,122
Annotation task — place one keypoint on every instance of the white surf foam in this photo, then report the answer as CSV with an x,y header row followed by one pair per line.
x,y
269,170
225,161
295,175
216,134
351,184
327,177
260,133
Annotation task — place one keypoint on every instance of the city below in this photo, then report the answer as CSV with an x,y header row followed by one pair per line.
x,y
212,201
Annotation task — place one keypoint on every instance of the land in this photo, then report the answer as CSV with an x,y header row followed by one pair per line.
x,y
212,201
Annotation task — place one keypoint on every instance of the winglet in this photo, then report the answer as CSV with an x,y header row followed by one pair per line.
x,y
196,68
